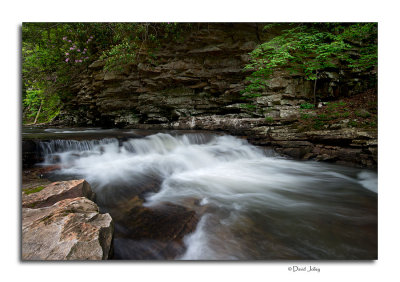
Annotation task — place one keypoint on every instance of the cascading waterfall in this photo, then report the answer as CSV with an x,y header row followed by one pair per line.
x,y
52,148
253,204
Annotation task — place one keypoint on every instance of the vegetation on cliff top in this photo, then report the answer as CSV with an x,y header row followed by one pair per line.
x,y
308,49
53,54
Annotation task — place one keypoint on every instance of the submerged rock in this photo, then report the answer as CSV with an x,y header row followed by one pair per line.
x,y
71,229
151,233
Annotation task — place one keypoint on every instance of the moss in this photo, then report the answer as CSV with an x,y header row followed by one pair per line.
x,y
34,190
269,119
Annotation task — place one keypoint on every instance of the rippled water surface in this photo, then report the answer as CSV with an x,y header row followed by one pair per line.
x,y
251,203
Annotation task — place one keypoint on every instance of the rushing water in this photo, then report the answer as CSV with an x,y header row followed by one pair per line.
x,y
252,204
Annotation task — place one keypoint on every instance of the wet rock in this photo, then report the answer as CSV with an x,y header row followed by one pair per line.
x,y
71,229
30,154
151,232
55,192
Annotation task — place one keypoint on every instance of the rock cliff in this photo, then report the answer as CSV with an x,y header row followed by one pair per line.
x,y
196,84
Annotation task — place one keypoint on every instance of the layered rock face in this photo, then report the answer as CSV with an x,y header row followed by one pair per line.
x,y
200,76
60,223
196,84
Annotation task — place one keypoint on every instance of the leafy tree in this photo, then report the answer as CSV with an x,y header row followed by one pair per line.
x,y
133,40
311,48
54,54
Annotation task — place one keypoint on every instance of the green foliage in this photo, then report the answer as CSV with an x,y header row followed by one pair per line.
x,y
344,115
309,48
369,124
353,123
54,54
32,101
305,116
332,106
318,124
306,106
269,119
323,117
131,41
118,56
248,106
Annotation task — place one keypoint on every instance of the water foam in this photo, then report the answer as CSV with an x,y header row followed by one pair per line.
x,y
226,175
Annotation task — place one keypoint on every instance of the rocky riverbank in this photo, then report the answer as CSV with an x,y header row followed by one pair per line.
x,y
346,145
336,142
61,222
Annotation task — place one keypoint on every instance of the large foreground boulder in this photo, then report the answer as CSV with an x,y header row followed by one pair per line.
x,y
71,229
57,191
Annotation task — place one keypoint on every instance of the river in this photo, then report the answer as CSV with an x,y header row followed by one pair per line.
x,y
251,203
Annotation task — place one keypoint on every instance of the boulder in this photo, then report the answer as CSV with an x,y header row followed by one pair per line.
x,y
151,233
71,229
55,192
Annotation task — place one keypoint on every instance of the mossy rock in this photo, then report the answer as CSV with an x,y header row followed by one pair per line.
x,y
33,190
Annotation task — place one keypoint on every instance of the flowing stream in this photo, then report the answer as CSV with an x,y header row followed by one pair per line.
x,y
251,203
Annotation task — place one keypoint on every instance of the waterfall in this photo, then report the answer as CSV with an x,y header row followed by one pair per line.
x,y
252,203
53,149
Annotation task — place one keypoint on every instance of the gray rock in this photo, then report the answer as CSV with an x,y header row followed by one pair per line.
x,y
110,76
97,65
207,49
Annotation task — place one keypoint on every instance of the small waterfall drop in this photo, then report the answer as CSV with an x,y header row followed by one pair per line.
x,y
252,204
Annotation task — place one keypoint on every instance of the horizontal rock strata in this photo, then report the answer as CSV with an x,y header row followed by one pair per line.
x,y
197,84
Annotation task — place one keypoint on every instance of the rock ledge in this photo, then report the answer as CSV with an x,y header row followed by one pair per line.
x,y
60,223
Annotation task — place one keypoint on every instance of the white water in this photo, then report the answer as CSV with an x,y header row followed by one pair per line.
x,y
254,205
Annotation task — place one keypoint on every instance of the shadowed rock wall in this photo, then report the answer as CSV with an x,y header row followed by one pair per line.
x,y
195,84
